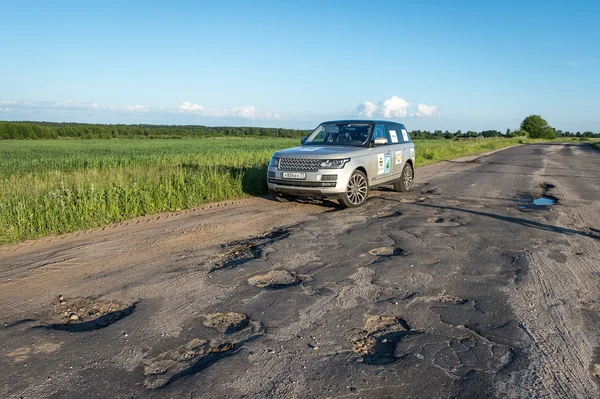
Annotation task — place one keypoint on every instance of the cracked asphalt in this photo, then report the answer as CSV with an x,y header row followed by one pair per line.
x,y
448,291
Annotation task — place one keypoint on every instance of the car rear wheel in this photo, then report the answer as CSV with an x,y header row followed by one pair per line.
x,y
406,180
357,190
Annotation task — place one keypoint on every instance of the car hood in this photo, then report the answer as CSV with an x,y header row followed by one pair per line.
x,y
319,152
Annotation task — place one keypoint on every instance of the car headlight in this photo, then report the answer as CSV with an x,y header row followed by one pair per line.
x,y
334,163
274,162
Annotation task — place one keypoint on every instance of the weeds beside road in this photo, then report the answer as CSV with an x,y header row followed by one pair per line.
x,y
58,186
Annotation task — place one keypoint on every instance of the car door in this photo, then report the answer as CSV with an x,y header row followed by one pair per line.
x,y
397,147
381,156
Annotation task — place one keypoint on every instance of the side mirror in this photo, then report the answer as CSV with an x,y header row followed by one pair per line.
x,y
380,141
303,139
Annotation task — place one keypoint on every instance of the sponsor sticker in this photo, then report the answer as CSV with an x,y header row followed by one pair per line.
x,y
394,136
310,148
398,157
388,163
404,135
380,164
412,153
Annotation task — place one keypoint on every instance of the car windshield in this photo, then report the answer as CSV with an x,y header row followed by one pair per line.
x,y
353,134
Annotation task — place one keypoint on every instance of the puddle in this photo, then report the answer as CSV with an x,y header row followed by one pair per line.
x,y
85,314
239,252
543,202
274,279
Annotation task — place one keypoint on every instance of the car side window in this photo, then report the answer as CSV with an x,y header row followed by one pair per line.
x,y
380,131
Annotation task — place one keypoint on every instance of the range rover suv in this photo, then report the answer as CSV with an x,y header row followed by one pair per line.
x,y
343,160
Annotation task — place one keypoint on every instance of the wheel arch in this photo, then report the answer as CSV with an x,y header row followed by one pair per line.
x,y
362,169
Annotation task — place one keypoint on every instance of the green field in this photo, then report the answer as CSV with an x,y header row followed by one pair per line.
x,y
57,186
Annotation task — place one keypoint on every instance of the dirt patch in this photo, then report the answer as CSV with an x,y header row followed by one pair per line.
x,y
386,251
227,322
85,314
274,279
378,338
21,354
239,252
186,359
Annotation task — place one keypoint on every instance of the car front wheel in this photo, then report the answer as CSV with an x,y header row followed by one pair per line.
x,y
357,190
406,180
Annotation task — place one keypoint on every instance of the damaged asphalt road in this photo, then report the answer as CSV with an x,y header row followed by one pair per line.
x,y
461,288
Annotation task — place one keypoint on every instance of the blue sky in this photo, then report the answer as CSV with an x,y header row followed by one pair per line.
x,y
430,64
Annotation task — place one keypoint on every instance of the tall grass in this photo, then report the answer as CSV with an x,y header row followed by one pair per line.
x,y
57,186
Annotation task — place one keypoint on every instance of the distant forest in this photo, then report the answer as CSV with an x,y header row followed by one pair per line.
x,y
51,130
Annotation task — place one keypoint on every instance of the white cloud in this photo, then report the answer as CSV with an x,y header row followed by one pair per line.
x,y
247,112
69,104
138,108
189,107
426,110
393,107
367,109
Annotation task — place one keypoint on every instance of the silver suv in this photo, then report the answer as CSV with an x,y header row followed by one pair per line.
x,y
343,160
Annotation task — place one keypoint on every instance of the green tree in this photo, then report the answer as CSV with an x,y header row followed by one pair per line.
x,y
537,127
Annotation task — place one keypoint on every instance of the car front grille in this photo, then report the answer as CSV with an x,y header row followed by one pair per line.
x,y
299,164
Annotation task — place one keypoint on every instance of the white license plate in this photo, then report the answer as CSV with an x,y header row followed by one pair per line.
x,y
294,175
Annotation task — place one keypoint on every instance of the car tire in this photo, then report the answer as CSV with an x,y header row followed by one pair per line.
x,y
405,182
281,197
357,190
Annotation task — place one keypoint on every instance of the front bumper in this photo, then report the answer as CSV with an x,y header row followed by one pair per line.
x,y
324,183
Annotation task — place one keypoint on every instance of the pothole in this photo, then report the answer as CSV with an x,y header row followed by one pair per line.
x,y
85,314
226,322
240,252
431,191
190,358
274,279
387,251
377,340
386,215
537,203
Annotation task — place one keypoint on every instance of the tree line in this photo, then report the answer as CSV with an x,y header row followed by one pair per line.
x,y
533,126
50,130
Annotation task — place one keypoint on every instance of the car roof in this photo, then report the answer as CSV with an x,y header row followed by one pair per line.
x,y
361,121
